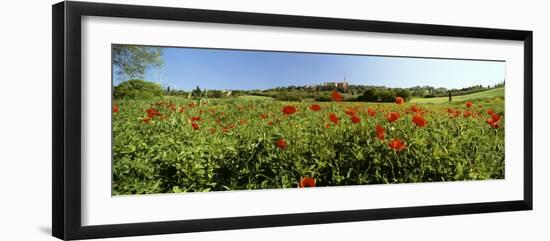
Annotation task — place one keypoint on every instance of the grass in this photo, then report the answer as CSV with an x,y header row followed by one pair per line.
x,y
255,97
488,94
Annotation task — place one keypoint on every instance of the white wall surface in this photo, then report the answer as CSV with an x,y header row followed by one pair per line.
x,y
25,119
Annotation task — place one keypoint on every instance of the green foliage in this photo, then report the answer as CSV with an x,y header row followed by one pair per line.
x,y
288,96
132,61
137,89
384,95
480,95
234,146
215,94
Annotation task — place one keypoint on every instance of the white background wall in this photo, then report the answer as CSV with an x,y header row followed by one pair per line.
x,y
25,119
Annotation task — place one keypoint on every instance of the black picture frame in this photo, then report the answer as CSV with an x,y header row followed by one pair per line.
x,y
66,127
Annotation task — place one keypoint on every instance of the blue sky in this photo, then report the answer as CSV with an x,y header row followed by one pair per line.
x,y
186,68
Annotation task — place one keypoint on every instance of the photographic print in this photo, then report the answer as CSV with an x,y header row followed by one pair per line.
x,y
202,119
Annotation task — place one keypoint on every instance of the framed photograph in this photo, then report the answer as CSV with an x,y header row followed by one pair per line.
x,y
169,120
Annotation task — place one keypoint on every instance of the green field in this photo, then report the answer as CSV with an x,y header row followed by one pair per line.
x,y
488,94
175,144
255,97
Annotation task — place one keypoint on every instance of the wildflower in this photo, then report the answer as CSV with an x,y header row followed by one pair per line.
x,y
281,143
397,144
399,100
380,132
415,108
195,126
392,116
289,110
307,182
152,112
315,107
335,96
419,120
146,120
371,112
115,108
333,118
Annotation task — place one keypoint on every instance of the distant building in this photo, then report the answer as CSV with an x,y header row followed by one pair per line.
x,y
342,85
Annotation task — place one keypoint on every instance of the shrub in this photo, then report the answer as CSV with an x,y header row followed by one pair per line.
x,y
137,89
287,96
384,95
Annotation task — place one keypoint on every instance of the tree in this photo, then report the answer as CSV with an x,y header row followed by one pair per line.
x,y
215,94
137,89
132,61
370,95
403,93
197,92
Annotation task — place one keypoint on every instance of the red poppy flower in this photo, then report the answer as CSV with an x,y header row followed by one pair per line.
x,y
490,112
263,116
315,107
152,112
172,106
419,120
493,123
397,144
392,116
307,182
115,108
350,112
467,114
281,143
336,96
191,105
355,119
289,110
371,112
195,126
195,118
181,109
399,100
146,120
333,118
270,123
469,104
453,113
380,132
327,125
495,117
415,108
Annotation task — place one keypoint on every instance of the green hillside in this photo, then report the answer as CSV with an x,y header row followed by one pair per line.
x,y
497,92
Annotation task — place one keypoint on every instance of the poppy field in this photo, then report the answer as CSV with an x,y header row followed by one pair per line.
x,y
175,144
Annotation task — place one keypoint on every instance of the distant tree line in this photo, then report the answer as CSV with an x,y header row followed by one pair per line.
x,y
144,89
